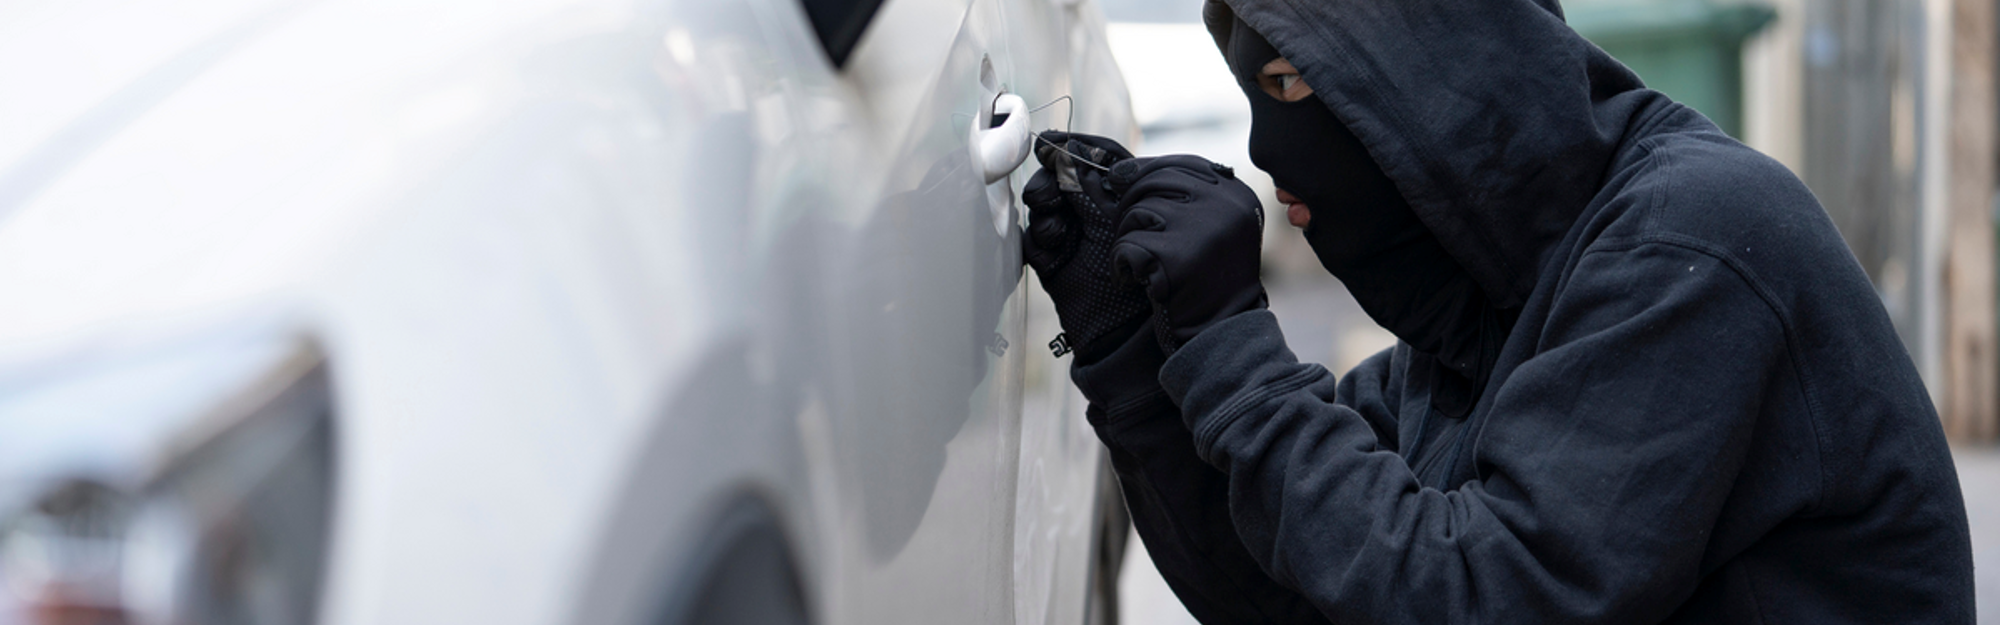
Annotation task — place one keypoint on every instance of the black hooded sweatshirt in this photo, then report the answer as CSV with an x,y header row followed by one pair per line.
x,y
1674,396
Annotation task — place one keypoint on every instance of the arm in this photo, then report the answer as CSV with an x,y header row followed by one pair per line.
x,y
1603,465
1374,390
1178,503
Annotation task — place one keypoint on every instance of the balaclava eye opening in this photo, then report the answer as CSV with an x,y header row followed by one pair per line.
x,y
1362,229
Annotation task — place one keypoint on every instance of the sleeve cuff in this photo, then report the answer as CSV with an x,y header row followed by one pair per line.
x,y
1227,369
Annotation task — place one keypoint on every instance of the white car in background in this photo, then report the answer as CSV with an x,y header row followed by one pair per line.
x,y
540,311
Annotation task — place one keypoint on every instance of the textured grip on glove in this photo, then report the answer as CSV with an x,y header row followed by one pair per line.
x,y
1072,224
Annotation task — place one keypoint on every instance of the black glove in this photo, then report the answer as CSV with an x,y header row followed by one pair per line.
x,y
1190,236
1072,223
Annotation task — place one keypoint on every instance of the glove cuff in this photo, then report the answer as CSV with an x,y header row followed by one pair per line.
x,y
1172,337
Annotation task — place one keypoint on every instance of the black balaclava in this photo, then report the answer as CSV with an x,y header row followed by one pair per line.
x,y
1364,232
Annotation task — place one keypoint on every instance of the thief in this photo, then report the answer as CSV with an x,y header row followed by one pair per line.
x,y
1639,378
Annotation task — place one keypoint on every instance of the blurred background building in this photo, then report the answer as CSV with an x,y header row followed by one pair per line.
x,y
1885,108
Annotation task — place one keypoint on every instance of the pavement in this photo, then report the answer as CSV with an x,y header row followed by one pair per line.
x,y
1323,324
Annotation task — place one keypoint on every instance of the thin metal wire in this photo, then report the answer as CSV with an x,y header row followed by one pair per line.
x,y
1068,123
1072,155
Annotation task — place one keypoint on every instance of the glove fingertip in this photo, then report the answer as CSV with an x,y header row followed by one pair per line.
x,y
1041,192
1041,259
1130,262
1046,231
1123,174
1139,219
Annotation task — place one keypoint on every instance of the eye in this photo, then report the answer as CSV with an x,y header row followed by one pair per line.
x,y
1279,79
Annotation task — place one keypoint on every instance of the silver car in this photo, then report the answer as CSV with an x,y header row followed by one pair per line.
x,y
540,311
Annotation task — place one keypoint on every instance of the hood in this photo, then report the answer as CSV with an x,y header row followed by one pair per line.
x,y
1494,119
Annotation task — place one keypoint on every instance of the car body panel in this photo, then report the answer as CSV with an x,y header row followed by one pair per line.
x,y
585,270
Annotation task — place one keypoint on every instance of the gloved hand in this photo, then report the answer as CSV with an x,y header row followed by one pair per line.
x,y
1190,236
1072,223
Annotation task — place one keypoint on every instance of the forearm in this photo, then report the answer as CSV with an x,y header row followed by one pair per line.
x,y
1180,508
1179,505
1327,510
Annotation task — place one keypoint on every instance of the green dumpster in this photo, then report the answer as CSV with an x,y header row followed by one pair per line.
x,y
1691,50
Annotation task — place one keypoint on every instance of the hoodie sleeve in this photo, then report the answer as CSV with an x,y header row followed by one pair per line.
x,y
1373,389
1178,504
1603,464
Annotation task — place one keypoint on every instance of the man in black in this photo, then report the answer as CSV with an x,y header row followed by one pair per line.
x,y
1639,379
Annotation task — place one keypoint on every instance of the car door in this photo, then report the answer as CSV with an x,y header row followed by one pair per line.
x,y
957,500
923,326
1069,517
872,367
955,429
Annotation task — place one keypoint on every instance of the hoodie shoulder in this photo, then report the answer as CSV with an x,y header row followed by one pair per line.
x,y
1704,189
1701,190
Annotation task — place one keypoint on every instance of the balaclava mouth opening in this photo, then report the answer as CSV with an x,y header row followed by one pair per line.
x,y
1363,230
